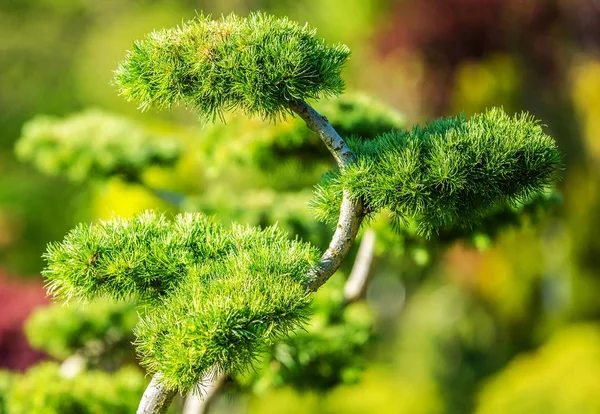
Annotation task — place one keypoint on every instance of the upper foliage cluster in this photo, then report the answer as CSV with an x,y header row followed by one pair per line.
x,y
43,389
93,144
450,173
63,330
258,64
215,296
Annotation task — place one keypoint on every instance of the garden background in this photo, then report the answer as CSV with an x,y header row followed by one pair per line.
x,y
491,327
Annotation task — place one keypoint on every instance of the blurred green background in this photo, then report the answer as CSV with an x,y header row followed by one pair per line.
x,y
511,328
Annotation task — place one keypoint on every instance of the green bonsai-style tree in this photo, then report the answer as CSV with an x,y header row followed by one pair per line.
x,y
211,297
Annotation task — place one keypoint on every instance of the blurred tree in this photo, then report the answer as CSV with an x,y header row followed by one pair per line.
x,y
207,308
535,382
531,282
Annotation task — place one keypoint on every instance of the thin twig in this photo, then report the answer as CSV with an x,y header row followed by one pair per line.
x,y
356,285
199,403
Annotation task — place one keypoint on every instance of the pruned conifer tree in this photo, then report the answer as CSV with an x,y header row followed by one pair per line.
x,y
212,297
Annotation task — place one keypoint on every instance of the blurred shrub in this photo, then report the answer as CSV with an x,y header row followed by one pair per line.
x,y
43,390
560,378
585,92
62,330
263,207
267,147
93,144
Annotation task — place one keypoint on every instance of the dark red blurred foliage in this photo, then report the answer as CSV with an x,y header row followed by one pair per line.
x,y
17,300
446,32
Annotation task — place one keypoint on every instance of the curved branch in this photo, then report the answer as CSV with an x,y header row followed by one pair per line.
x,y
321,126
198,403
357,282
351,211
351,216
156,398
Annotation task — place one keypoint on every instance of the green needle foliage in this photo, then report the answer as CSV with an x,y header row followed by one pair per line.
x,y
258,64
450,173
43,390
224,314
143,257
148,256
330,351
216,296
63,330
93,144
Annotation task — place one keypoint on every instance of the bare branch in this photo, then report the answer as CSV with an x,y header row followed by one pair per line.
x,y
321,126
356,285
156,398
199,403
351,216
351,211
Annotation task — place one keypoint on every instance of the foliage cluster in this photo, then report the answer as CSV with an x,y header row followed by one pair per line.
x,y
44,390
63,330
93,143
258,64
450,173
215,296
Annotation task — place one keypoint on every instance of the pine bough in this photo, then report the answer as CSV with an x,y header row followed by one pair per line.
x,y
212,297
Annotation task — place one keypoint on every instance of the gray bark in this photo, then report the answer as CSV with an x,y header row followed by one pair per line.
x,y
156,398
356,285
351,211
198,403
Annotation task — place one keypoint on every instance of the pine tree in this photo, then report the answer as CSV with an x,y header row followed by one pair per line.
x,y
212,297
